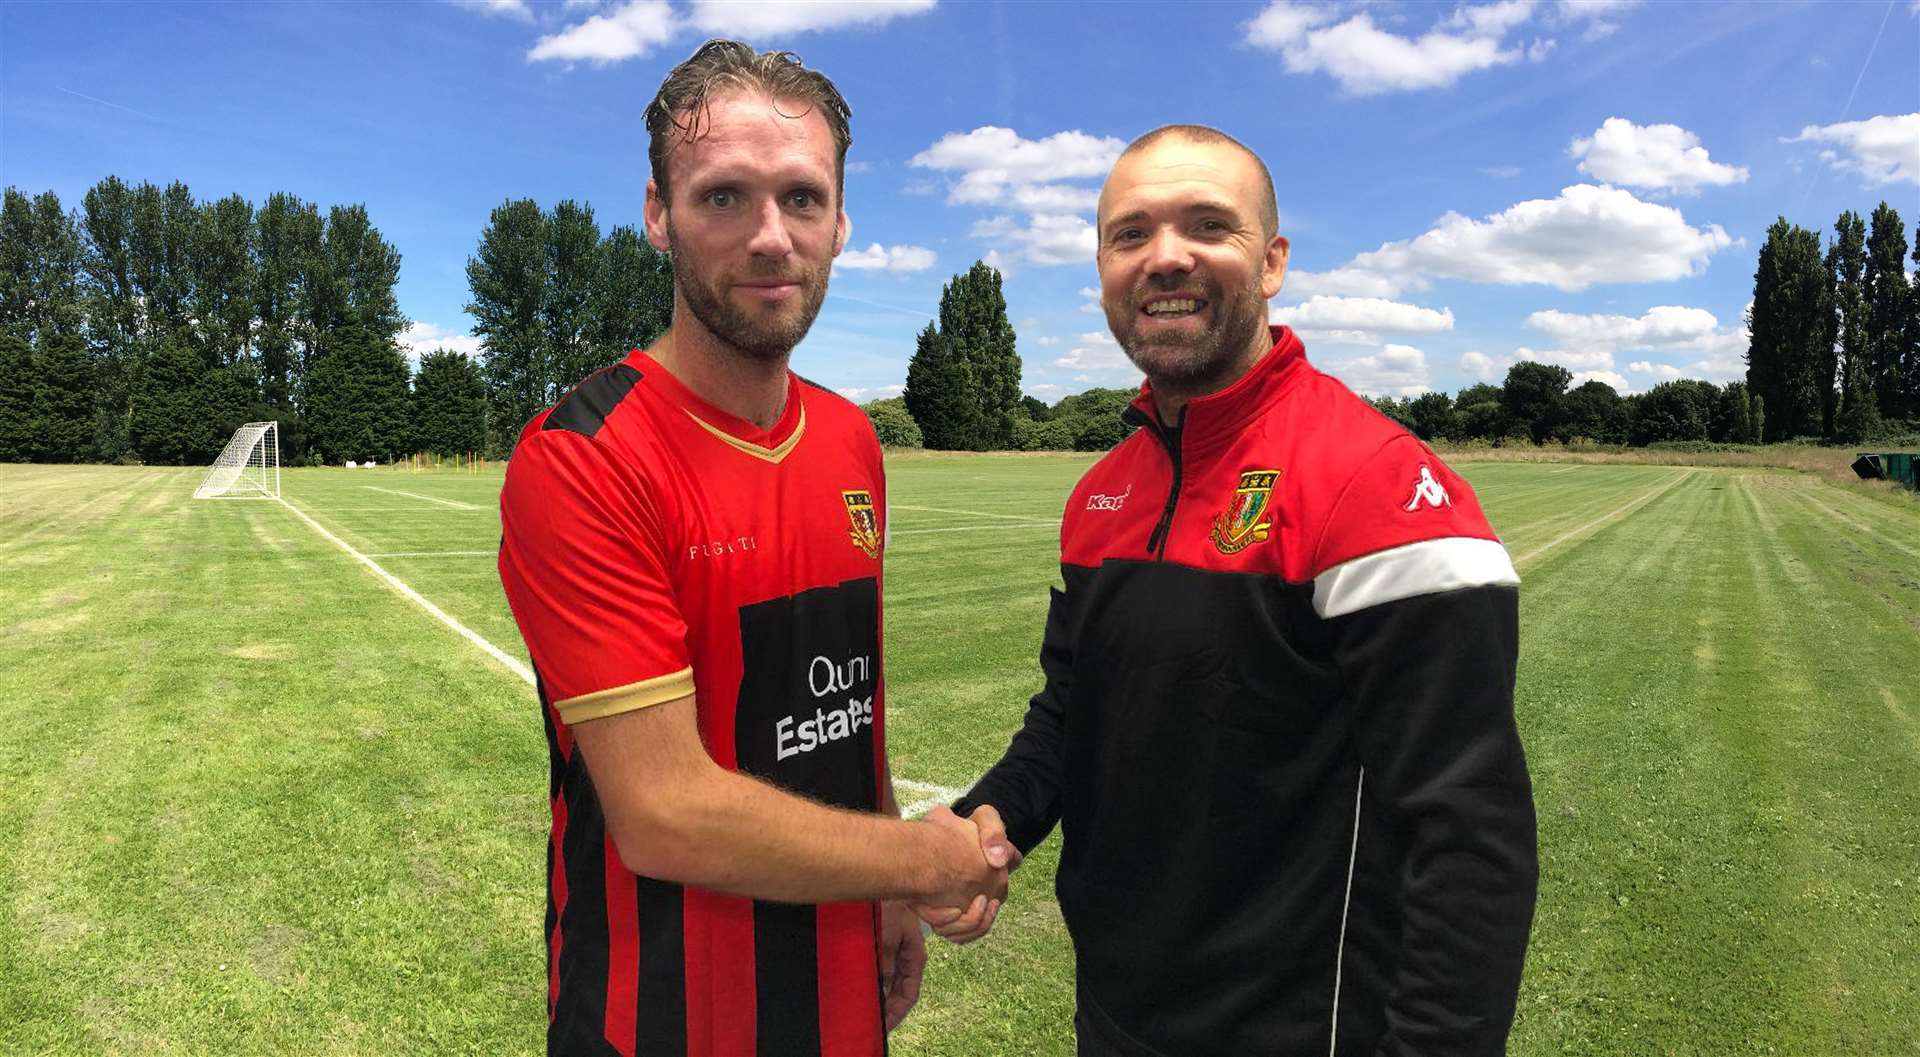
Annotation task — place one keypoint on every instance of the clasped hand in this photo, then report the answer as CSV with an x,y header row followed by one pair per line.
x,y
968,912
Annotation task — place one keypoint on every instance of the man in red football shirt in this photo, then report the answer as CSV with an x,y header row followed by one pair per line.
x,y
692,544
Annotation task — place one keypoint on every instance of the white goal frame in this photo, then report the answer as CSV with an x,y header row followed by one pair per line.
x,y
248,467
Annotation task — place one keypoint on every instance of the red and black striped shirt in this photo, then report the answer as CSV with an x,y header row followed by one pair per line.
x,y
656,546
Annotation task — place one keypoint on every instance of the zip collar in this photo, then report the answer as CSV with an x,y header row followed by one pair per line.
x,y
1211,421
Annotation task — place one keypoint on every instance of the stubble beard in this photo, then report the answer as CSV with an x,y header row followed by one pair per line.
x,y
764,341
1196,362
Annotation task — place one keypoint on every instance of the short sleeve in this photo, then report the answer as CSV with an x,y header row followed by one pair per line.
x,y
583,563
1404,525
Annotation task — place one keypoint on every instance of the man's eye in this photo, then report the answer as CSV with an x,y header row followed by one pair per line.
x,y
1212,226
1127,235
720,199
801,199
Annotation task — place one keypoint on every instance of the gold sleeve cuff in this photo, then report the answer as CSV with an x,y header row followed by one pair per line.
x,y
611,702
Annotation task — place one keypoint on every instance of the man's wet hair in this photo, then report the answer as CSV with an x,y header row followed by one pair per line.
x,y
1269,206
679,111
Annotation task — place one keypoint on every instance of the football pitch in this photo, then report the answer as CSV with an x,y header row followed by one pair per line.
x,y
254,799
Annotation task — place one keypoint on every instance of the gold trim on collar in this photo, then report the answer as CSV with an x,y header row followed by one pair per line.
x,y
755,450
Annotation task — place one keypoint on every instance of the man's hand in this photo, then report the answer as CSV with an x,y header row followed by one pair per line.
x,y
903,958
964,924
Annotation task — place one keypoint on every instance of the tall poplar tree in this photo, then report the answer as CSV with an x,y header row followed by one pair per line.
x,y
973,320
449,404
1857,412
1888,297
942,396
1790,332
633,299
507,277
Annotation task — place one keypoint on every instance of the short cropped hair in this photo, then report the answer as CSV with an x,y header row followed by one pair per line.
x,y
679,109
1269,206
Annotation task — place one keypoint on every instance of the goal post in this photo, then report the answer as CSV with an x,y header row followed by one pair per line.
x,y
248,467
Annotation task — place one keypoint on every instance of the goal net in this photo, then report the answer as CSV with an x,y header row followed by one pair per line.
x,y
248,467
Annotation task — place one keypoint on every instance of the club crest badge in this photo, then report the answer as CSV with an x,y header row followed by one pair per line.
x,y
1248,520
865,532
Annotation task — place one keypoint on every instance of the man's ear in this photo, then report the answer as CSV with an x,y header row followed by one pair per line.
x,y
1273,270
655,215
842,232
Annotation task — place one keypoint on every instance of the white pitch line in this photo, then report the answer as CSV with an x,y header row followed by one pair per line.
x,y
1603,519
512,663
428,498
434,554
968,513
976,528
927,796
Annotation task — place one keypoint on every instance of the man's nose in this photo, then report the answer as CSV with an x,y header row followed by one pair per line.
x,y
770,237
1168,254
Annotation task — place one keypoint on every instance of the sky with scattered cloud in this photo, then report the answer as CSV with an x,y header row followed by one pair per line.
x,y
1581,182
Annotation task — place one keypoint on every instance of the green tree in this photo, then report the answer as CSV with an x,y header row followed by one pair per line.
x,y
1094,417
1680,410
1846,264
63,398
1395,408
573,272
507,276
892,424
169,425
1045,435
1790,329
222,280
1732,421
1430,416
941,395
1036,410
633,300
1888,294
1477,413
449,404
1531,397
357,402
17,398
1592,410
112,309
973,320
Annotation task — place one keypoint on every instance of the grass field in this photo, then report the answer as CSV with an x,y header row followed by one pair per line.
x,y
252,800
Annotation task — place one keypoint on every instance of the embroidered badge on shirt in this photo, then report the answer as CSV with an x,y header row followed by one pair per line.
x,y
1427,490
1247,520
865,532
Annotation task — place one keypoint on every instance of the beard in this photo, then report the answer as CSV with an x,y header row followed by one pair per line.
x,y
774,333
1192,360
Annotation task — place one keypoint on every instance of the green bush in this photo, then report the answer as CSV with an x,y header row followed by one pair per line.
x,y
892,424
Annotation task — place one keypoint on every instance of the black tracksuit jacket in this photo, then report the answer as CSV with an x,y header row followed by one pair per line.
x,y
1277,733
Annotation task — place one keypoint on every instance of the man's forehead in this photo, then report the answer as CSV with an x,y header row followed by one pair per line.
x,y
1198,169
747,122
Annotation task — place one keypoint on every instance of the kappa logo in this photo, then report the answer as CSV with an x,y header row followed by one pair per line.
x,y
1248,519
866,531
1429,491
1109,502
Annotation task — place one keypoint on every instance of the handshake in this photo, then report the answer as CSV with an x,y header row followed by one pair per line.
x,y
971,880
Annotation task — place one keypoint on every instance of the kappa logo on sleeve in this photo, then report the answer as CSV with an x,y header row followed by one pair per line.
x,y
1429,491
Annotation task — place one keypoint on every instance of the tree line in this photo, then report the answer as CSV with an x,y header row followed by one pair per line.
x,y
145,325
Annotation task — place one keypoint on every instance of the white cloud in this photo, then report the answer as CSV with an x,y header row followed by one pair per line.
x,y
855,168
1338,337
1666,372
1092,302
1095,351
1660,325
631,30
1396,370
1360,317
1571,359
1485,367
1587,235
514,9
1367,60
1044,391
1046,341
861,395
1596,14
995,166
887,258
1502,172
1612,378
992,156
759,21
1883,149
1663,157
1339,282
422,338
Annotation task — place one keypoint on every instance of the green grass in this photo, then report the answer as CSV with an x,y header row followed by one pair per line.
x,y
253,801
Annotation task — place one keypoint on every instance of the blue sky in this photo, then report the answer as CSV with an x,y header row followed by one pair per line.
x,y
1585,183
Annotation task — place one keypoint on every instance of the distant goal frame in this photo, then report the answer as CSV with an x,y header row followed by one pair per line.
x,y
248,467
